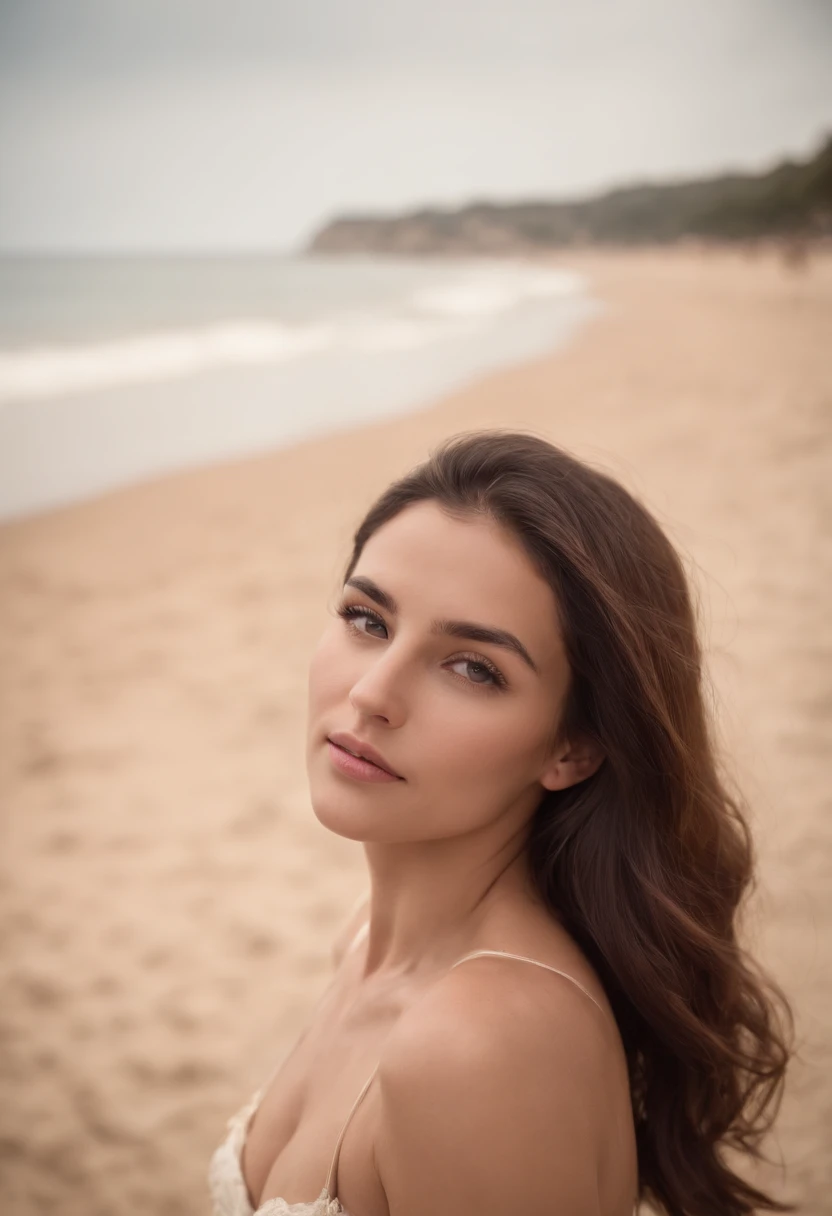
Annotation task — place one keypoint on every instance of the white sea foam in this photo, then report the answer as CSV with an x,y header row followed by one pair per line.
x,y
51,371
114,371
495,291
374,334
464,302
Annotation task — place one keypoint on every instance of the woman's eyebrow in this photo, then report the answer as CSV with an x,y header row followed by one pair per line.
x,y
458,629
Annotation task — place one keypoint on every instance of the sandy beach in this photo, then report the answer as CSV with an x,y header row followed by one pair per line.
x,y
168,898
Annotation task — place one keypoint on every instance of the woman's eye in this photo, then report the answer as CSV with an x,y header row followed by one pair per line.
x,y
491,677
351,613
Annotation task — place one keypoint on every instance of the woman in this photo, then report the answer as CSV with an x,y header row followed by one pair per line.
x,y
514,653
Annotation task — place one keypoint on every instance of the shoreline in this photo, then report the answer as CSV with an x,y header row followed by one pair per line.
x,y
244,359
170,897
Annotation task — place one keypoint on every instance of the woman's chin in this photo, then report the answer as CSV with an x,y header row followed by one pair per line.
x,y
335,813
345,817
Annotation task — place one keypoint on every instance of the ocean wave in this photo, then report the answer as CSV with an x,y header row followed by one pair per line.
x,y
454,308
496,291
48,371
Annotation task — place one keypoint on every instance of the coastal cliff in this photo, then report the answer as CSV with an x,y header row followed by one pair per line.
x,y
793,199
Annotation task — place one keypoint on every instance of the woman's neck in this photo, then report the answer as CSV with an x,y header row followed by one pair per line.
x,y
429,902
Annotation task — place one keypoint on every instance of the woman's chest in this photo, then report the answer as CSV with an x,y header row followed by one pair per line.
x,y
292,1137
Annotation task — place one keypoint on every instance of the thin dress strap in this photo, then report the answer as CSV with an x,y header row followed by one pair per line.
x,y
333,1168
524,958
331,1180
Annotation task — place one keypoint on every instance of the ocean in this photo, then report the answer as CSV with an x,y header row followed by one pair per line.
x,y
117,369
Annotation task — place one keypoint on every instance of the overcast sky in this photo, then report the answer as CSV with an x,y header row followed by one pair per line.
x,y
165,124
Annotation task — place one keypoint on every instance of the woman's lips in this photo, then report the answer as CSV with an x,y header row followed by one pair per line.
x,y
355,766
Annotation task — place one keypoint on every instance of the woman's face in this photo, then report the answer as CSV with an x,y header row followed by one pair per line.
x,y
466,723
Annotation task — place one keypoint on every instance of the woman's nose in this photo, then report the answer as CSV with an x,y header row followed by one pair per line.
x,y
381,689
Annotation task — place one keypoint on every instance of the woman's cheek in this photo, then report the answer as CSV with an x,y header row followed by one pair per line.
x,y
467,744
327,670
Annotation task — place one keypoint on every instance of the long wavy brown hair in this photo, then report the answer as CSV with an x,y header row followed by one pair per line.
x,y
648,861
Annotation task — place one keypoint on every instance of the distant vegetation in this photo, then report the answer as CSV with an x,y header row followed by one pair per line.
x,y
793,200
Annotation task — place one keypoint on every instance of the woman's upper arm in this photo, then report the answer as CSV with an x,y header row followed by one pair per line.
x,y
484,1113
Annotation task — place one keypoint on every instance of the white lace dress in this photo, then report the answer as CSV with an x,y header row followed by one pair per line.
x,y
229,1193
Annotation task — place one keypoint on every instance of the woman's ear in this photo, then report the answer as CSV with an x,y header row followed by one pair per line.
x,y
573,760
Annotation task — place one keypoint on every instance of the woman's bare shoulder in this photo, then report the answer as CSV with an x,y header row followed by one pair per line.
x,y
488,1008
513,989
513,1075
494,1052
528,949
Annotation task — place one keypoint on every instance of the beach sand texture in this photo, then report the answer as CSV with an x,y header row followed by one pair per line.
x,y
168,898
